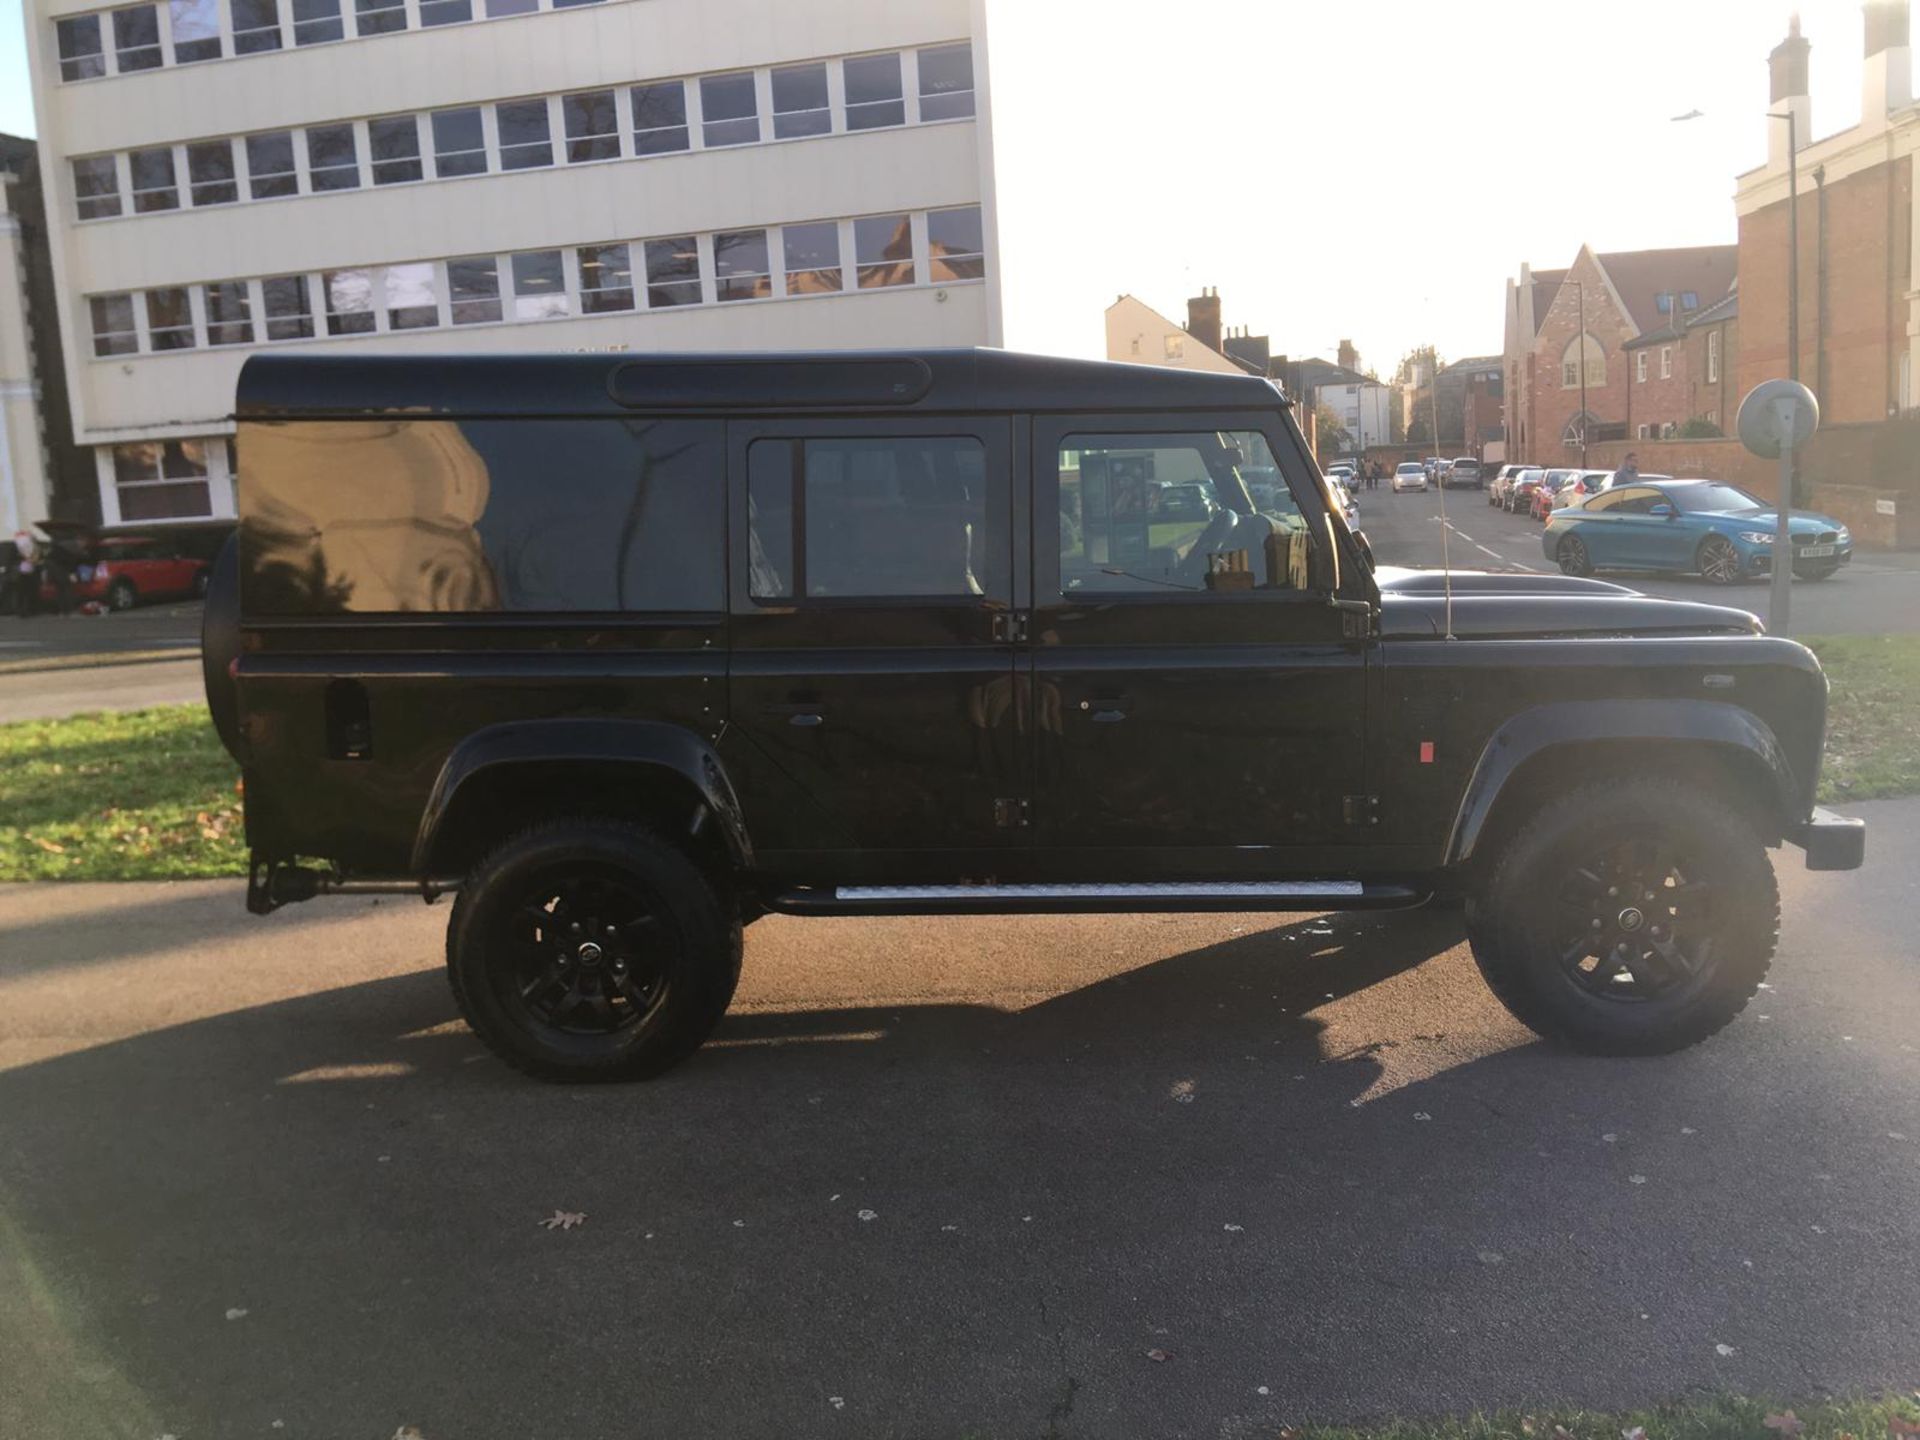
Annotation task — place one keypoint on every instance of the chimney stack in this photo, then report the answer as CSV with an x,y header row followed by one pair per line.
x,y
1349,357
1886,81
1787,67
1203,318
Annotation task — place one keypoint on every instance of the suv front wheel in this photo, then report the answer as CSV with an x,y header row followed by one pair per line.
x,y
1631,918
591,950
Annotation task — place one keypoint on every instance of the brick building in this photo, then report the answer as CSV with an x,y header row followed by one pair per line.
x,y
1859,221
1574,338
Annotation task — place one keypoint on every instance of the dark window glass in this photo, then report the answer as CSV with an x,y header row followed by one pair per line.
x,y
445,12
154,187
270,167
210,173
96,187
525,140
349,302
901,516
378,17
497,8
800,101
113,325
229,313
81,54
740,265
459,143
593,126
196,30
883,251
393,144
632,521
812,257
660,118
136,39
729,113
606,278
332,162
946,82
473,288
256,26
1634,500
954,245
1134,510
148,476
569,4
289,307
170,319
317,21
539,286
673,272
874,96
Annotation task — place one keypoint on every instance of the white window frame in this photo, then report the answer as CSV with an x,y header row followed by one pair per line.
x,y
1713,357
281,27
1640,367
1666,362
60,60
622,147
316,320
499,147
219,480
137,306
297,142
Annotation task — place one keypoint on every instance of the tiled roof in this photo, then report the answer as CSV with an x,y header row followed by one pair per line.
x,y
1642,276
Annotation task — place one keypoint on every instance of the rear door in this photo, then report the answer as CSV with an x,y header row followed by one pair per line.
x,y
872,658
1199,708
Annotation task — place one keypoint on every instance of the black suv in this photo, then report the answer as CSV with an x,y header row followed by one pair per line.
x,y
631,651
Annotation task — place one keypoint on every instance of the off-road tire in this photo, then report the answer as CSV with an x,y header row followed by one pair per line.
x,y
701,930
1514,915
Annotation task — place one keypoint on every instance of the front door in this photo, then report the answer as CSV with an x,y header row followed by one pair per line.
x,y
1200,701
871,689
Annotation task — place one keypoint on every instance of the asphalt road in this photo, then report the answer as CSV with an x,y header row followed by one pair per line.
x,y
61,665
935,1178
1875,595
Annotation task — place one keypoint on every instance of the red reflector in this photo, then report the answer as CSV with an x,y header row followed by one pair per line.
x,y
1426,752
233,668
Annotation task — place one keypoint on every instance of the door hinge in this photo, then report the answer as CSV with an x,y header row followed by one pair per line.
x,y
1009,627
1361,809
1011,814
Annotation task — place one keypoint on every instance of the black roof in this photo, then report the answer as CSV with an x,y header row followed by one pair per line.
x,y
887,381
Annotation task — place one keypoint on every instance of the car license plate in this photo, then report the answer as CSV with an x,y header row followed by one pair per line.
x,y
1814,552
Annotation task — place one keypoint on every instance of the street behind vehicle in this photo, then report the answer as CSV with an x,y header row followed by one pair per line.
x,y
1701,527
123,571
900,634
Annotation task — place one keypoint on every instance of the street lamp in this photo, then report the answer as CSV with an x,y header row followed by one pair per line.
x,y
1793,243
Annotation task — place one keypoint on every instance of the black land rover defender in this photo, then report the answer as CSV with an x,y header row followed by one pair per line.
x,y
630,651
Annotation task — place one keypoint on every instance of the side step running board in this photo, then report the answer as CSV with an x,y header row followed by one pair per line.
x,y
1220,895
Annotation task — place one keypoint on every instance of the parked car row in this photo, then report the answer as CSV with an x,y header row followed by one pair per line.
x,y
1659,523
73,566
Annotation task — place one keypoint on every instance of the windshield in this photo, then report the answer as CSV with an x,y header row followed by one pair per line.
x,y
1409,469
1713,496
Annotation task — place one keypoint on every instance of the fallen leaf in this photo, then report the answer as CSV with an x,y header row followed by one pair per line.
x,y
564,1219
1723,1351
1232,1229
1636,1179
1159,1357
869,1214
1560,1432
49,846
1638,1432
1787,1423
408,1432
839,1402
1182,1092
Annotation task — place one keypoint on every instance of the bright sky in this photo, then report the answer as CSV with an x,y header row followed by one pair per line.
x,y
1372,171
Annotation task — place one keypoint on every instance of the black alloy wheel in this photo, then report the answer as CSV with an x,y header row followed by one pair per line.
x,y
591,950
1718,561
121,595
1634,916
1573,557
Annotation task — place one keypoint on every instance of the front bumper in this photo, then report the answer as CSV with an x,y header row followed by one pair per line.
x,y
1832,842
1759,558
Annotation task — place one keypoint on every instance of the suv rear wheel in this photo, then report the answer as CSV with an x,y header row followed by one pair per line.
x,y
591,950
1631,918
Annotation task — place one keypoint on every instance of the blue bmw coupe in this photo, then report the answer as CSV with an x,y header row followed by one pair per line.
x,y
1702,527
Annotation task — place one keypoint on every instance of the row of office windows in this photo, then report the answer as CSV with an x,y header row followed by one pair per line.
x,y
825,257
133,38
864,92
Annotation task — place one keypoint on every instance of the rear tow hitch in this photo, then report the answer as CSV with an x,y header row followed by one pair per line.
x,y
273,883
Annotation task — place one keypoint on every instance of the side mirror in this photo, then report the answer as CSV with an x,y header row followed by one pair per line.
x,y
1663,511
1366,549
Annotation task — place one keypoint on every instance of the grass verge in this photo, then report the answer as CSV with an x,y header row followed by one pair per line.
x,y
150,795
140,795
1873,716
1727,1417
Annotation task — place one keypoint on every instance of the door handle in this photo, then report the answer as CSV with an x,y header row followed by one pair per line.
x,y
803,713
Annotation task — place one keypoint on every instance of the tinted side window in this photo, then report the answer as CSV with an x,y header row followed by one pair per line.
x,y
376,517
899,516
1154,513
1635,501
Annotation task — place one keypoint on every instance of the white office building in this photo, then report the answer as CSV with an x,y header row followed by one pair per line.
x,y
425,175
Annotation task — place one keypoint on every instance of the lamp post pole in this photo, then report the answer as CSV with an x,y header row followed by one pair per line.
x,y
1580,293
1782,578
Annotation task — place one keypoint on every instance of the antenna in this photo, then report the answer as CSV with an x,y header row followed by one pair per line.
x,y
1440,481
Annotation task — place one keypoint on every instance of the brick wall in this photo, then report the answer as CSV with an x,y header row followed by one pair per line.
x,y
1714,398
1659,400
1868,262
1553,404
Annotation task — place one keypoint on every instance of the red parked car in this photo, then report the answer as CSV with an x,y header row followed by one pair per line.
x,y
121,571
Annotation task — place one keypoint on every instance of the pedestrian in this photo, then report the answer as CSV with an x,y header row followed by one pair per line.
x,y
26,575
59,565
1628,472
